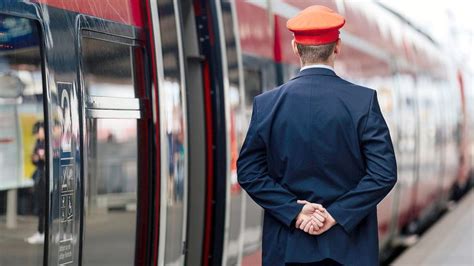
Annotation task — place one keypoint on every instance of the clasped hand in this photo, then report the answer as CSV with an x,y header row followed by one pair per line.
x,y
314,219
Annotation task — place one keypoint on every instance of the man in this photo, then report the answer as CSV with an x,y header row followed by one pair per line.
x,y
318,157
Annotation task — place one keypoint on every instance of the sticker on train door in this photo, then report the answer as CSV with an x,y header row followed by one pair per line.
x,y
66,178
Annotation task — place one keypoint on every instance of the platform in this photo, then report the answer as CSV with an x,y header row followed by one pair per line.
x,y
448,242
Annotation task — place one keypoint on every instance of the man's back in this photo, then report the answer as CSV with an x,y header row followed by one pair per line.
x,y
312,126
322,139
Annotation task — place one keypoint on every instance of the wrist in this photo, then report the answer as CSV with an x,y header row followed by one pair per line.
x,y
298,211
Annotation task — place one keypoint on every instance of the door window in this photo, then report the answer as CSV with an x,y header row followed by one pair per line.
x,y
23,149
114,129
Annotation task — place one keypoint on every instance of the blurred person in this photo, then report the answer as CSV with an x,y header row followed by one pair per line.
x,y
38,159
318,157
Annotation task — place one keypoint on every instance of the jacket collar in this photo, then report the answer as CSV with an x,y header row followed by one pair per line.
x,y
315,71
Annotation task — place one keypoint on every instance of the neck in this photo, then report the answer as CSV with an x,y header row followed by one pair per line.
x,y
331,64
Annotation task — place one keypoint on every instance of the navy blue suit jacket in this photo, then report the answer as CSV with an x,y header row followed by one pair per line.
x,y
322,139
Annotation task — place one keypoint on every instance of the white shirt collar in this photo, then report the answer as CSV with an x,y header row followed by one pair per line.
x,y
317,65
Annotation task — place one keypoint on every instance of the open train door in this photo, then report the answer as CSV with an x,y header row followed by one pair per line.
x,y
199,78
216,115
171,204
199,81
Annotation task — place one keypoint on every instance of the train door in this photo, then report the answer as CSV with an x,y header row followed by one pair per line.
x,y
216,113
223,98
116,145
449,104
452,119
429,148
406,145
173,131
214,105
198,141
24,139
193,165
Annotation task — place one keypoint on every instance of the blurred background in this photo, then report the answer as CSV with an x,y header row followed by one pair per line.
x,y
449,23
121,122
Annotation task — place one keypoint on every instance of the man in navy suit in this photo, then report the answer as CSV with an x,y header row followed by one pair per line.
x,y
318,157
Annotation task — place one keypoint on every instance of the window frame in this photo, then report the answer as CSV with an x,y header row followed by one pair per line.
x,y
102,107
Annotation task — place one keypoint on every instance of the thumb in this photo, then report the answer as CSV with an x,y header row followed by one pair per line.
x,y
302,202
318,206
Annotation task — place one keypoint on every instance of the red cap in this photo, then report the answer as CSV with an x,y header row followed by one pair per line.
x,y
316,25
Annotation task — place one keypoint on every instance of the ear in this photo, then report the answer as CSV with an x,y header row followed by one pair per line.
x,y
295,49
337,49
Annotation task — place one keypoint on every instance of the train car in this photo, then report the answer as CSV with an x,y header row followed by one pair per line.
x,y
466,182
145,105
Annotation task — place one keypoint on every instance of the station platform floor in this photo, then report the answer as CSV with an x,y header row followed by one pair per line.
x,y
450,241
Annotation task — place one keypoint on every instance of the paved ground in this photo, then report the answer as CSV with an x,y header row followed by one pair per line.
x,y
448,242
110,241
13,248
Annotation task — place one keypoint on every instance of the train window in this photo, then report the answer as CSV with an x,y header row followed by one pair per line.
x,y
111,192
22,143
107,68
114,130
253,84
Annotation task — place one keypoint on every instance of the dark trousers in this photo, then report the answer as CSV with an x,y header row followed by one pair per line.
x,y
325,262
40,197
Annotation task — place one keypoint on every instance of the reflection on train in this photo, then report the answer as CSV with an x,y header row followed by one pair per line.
x,y
145,104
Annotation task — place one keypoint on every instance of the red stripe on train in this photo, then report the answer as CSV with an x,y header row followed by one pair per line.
x,y
123,11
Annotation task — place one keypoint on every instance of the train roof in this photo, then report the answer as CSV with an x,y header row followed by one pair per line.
x,y
408,22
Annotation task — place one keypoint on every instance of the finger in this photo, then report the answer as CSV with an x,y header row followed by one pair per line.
x,y
303,224
302,202
319,216
323,213
298,223
322,227
318,206
312,230
316,221
316,227
313,223
306,228
309,208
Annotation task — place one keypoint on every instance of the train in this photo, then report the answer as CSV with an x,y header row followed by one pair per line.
x,y
145,106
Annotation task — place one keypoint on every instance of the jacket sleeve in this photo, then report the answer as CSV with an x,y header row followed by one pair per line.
x,y
253,177
381,172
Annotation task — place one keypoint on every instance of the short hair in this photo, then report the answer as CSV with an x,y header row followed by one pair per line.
x,y
311,54
37,126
